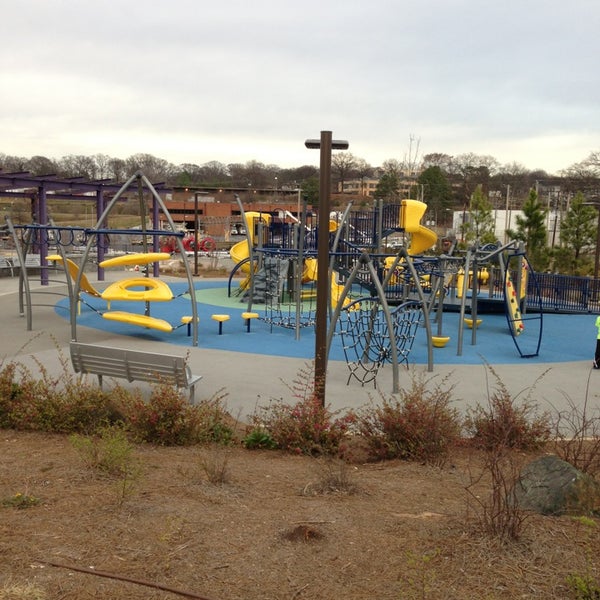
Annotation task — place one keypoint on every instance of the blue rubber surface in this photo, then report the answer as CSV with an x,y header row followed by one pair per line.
x,y
565,337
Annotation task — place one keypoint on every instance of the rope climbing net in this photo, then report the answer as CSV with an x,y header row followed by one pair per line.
x,y
367,344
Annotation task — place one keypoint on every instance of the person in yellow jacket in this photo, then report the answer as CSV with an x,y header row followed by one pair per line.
x,y
597,354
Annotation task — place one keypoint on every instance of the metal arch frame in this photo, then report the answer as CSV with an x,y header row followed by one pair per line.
x,y
98,230
504,264
365,259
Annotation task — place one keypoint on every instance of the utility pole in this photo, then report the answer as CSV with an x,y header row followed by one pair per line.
x,y
326,145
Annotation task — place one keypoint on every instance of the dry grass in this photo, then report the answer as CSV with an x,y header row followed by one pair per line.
x,y
405,531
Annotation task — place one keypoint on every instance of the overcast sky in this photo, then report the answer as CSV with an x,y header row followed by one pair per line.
x,y
239,80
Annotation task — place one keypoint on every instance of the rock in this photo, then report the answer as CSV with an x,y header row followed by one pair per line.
x,y
551,486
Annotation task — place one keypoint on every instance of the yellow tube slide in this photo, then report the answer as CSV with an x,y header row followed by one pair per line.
x,y
421,238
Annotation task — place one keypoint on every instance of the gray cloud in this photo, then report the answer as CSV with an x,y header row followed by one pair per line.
x,y
235,81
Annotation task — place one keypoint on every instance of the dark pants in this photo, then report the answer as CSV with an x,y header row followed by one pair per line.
x,y
597,355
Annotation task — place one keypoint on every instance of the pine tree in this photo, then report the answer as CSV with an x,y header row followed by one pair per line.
x,y
531,229
388,187
577,235
480,226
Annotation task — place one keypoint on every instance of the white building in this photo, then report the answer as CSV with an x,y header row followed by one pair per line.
x,y
507,219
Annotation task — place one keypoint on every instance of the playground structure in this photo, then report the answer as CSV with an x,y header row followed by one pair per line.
x,y
378,301
278,261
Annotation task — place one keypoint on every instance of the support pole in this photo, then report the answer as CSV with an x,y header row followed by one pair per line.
x,y
325,145
323,268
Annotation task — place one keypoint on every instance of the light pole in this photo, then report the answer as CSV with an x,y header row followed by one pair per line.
x,y
325,145
196,228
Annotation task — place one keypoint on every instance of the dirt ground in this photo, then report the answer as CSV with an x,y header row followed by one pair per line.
x,y
273,529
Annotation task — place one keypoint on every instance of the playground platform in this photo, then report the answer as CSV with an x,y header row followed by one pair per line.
x,y
252,368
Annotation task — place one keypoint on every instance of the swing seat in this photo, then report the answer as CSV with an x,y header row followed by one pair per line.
x,y
152,290
139,320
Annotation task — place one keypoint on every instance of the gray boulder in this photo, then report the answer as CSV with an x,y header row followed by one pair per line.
x,y
551,486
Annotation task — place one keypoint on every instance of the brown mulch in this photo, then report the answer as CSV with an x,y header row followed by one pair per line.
x,y
271,530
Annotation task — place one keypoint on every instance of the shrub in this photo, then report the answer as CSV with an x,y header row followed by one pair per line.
x,y
68,404
257,438
20,501
108,452
215,464
507,423
333,476
306,427
61,405
585,586
576,436
498,511
419,425
168,419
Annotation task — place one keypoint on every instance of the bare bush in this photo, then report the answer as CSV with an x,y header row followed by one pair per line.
x,y
576,436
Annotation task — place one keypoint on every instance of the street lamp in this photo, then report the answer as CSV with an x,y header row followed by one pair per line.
x,y
196,227
325,144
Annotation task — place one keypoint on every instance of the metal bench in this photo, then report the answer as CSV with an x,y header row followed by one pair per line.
x,y
6,264
32,261
133,365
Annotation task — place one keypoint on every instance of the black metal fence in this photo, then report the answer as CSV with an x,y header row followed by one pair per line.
x,y
565,293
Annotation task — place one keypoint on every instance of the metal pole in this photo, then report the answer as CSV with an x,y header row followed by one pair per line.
x,y
195,234
322,269
325,145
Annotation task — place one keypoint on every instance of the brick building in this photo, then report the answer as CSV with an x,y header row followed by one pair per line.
x,y
219,214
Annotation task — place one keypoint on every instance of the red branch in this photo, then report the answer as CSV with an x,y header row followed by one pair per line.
x,y
108,575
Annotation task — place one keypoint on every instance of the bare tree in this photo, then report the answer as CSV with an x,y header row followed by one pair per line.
x,y
102,165
438,159
411,159
342,164
117,169
391,166
13,164
593,162
214,172
155,169
363,171
78,165
40,165
253,173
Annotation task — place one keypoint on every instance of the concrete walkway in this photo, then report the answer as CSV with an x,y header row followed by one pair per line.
x,y
250,380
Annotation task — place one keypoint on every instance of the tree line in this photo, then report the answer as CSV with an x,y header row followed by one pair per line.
x,y
470,182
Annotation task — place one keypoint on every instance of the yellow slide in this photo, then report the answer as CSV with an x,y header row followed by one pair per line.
x,y
421,238
310,274
85,284
240,251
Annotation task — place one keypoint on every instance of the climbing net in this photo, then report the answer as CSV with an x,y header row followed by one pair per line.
x,y
366,340
288,301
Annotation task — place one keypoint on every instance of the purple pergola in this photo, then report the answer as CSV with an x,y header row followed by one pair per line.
x,y
39,189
